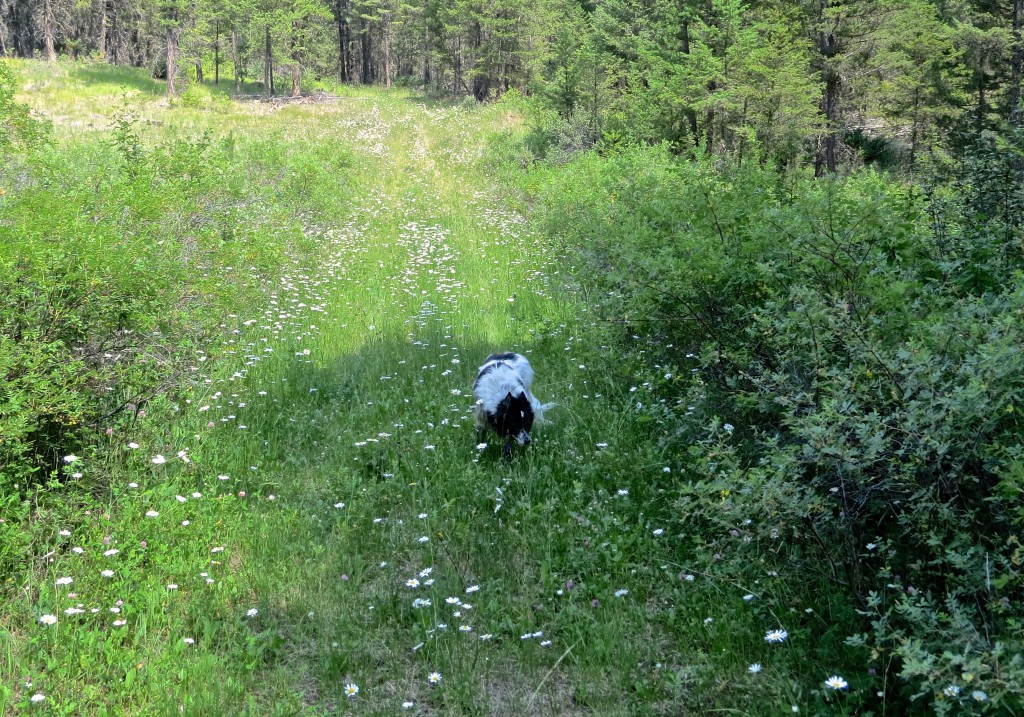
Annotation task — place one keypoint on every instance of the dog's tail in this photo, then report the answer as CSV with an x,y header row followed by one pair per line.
x,y
539,409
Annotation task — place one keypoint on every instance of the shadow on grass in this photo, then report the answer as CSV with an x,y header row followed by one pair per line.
x,y
135,78
412,93
140,79
390,396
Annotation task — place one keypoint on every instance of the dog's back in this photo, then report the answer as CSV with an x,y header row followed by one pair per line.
x,y
513,362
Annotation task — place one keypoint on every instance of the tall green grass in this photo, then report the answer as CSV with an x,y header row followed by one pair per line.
x,y
344,529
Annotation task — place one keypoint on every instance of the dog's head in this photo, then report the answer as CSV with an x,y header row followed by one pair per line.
x,y
513,418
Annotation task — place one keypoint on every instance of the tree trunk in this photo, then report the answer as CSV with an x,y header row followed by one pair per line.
x,y
51,53
689,112
268,64
457,67
343,73
826,160
101,44
709,129
916,117
340,10
481,76
367,57
143,39
829,47
1016,113
426,55
21,29
296,69
139,42
982,106
234,60
172,58
216,52
385,31
116,46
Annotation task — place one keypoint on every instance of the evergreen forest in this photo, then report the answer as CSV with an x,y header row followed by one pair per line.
x,y
835,83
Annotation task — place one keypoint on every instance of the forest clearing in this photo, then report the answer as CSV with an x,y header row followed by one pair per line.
x,y
239,471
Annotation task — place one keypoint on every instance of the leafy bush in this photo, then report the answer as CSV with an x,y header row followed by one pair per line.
x,y
853,379
557,137
198,96
18,127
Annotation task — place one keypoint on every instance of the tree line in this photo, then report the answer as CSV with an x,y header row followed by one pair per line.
x,y
478,48
832,81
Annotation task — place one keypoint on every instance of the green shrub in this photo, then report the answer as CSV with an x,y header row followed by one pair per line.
x,y
19,128
851,394
196,96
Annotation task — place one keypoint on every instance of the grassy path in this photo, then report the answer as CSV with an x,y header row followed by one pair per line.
x,y
424,278
394,547
255,550
312,515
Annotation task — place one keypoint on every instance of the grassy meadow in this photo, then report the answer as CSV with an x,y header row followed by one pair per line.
x,y
300,520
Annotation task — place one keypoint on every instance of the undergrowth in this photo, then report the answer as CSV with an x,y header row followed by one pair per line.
x,y
843,373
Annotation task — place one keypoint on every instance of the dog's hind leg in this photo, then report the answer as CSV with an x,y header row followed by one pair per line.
x,y
481,423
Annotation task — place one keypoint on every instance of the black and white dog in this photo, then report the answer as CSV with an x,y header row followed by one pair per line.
x,y
504,401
